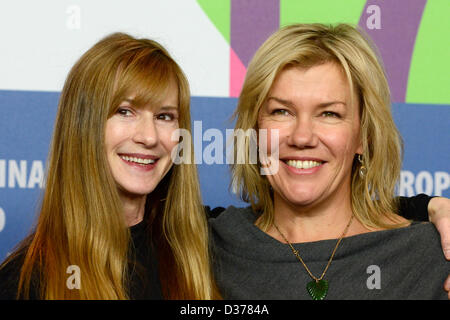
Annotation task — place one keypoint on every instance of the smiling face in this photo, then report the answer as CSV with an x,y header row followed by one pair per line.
x,y
318,128
138,140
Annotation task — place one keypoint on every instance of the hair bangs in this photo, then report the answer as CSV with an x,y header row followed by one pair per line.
x,y
145,79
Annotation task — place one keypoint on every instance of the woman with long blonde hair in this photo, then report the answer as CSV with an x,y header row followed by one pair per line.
x,y
117,220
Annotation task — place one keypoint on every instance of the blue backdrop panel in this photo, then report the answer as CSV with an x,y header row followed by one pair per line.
x,y
26,125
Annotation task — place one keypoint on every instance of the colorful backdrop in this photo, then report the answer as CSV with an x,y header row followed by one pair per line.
x,y
213,41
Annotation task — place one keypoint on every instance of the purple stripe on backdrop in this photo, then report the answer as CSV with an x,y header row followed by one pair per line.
x,y
252,21
400,20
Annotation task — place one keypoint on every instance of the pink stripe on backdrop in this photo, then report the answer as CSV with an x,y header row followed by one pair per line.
x,y
237,74
252,22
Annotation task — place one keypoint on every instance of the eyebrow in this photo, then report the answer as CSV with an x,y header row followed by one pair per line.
x,y
286,103
289,103
327,104
168,107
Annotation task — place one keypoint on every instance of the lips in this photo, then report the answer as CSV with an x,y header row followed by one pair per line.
x,y
139,159
304,164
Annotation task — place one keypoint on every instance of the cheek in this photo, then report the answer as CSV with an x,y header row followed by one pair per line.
x,y
168,137
342,143
272,135
114,134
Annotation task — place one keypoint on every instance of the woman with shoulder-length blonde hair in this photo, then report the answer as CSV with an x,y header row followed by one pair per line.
x,y
115,208
323,220
305,46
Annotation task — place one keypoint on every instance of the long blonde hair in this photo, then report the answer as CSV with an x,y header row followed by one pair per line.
x,y
306,45
81,220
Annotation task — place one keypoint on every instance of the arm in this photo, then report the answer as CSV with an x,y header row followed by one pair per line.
x,y
437,210
214,213
9,278
439,213
415,208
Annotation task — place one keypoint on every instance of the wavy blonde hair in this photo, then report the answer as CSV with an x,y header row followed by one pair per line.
x,y
81,220
307,45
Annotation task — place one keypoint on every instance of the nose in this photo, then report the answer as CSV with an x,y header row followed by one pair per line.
x,y
303,134
146,132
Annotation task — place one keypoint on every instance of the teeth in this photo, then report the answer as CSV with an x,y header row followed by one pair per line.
x,y
303,164
138,160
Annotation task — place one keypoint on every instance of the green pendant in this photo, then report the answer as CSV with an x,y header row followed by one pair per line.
x,y
317,290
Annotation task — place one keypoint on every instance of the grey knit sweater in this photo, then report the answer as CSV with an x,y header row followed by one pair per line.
x,y
405,263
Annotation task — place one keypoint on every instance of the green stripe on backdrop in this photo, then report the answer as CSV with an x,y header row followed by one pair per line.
x,y
219,12
320,11
429,74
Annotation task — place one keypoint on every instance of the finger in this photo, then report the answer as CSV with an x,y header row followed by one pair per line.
x,y
447,284
446,249
443,226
